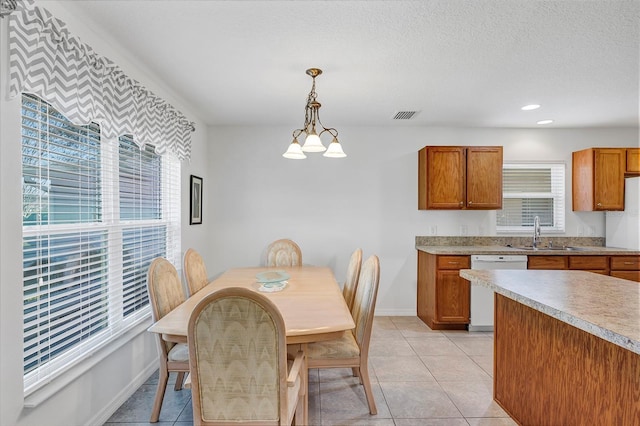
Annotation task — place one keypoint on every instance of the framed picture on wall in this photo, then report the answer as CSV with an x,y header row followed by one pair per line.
x,y
195,209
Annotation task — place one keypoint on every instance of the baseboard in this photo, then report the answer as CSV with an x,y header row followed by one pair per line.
x,y
396,313
103,415
480,327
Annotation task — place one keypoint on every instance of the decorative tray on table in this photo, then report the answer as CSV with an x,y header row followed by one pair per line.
x,y
272,281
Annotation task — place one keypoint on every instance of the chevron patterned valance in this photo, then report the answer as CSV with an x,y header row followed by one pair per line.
x,y
49,62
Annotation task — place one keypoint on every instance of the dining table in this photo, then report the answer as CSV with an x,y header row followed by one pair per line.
x,y
311,304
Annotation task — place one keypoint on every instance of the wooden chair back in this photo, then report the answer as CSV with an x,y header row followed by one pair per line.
x,y
353,274
364,303
195,271
284,252
238,358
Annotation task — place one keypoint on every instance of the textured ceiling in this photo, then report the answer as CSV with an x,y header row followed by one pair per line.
x,y
460,63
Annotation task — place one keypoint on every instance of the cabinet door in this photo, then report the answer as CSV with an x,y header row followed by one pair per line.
x,y
633,162
484,177
598,179
452,297
445,177
608,178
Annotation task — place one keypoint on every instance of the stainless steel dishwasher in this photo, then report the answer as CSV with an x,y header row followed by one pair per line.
x,y
482,297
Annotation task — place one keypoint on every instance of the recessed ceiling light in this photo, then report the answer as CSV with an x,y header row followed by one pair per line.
x,y
545,121
530,107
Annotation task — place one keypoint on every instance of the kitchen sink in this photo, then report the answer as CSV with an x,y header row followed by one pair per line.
x,y
559,248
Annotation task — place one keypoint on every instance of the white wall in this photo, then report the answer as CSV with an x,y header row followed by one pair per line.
x,y
252,196
95,394
369,199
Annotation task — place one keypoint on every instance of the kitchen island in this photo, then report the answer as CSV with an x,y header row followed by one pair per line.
x,y
566,346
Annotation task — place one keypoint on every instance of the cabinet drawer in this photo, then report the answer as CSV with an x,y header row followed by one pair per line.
x,y
625,263
588,262
454,262
547,262
627,275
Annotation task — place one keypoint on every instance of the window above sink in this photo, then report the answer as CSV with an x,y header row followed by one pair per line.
x,y
529,190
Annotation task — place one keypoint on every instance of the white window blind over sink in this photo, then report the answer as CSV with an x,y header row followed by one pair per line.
x,y
530,190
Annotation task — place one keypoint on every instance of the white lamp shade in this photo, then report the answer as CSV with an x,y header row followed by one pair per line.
x,y
294,152
335,150
313,144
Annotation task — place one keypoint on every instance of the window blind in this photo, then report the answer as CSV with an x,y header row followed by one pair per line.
x,y
530,190
95,214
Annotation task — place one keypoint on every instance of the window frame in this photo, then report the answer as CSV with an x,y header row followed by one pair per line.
x,y
558,194
118,325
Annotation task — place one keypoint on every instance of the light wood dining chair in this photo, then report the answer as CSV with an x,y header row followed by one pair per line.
x,y
165,293
195,271
238,356
351,350
353,274
284,252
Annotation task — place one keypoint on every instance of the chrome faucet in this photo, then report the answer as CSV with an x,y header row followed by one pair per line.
x,y
536,232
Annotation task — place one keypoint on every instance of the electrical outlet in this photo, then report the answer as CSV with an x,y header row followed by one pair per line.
x,y
464,230
433,230
580,230
592,231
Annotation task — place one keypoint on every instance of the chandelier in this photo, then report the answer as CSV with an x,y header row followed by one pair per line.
x,y
312,142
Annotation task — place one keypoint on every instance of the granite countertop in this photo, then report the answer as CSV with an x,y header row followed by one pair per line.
x,y
470,245
604,306
504,250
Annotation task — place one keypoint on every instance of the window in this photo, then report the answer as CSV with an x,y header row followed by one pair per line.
x,y
530,190
95,213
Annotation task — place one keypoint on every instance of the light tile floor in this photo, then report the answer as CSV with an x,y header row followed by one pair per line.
x,y
420,377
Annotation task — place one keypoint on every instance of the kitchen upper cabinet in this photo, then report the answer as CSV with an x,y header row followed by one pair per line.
x,y
598,179
633,162
457,177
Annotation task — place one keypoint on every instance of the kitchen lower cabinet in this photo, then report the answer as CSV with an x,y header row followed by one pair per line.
x,y
443,297
626,267
619,266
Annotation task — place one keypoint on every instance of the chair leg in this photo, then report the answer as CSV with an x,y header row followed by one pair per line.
x,y
355,371
298,416
366,383
179,381
163,378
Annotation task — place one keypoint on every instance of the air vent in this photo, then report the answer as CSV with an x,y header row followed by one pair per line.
x,y
404,115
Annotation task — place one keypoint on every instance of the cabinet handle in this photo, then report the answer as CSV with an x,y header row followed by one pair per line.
x,y
629,263
461,203
470,202
453,263
599,204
